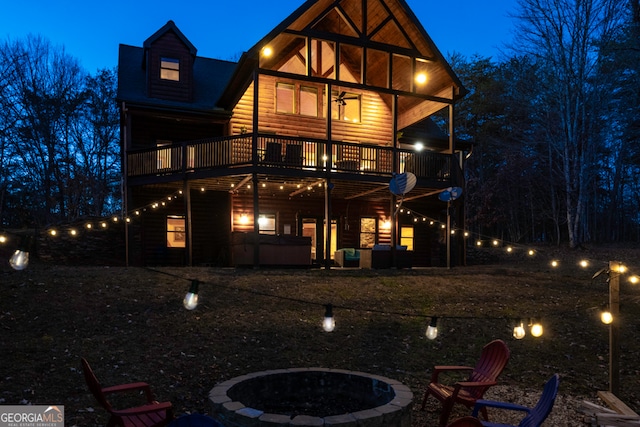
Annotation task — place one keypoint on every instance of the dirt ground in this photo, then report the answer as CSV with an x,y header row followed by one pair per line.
x,y
131,325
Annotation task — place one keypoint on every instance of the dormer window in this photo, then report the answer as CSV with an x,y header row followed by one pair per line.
x,y
170,69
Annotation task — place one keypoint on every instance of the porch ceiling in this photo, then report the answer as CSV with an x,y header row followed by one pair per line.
x,y
305,187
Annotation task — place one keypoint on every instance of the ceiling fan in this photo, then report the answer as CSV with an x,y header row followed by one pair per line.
x,y
341,99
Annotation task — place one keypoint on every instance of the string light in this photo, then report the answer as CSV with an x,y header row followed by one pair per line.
x,y
190,300
328,322
518,330
536,329
606,317
432,329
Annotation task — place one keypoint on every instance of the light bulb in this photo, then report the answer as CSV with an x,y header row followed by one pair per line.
x,y
432,329
19,260
536,330
328,323
518,331
606,317
190,301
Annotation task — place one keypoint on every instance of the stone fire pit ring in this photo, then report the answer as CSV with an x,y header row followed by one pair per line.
x,y
311,397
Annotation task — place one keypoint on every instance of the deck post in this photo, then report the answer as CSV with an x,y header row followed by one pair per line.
x,y
614,327
186,191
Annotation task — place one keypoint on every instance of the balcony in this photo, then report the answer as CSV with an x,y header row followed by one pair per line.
x,y
277,154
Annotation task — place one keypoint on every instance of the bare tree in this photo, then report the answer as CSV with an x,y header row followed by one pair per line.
x,y
564,36
58,134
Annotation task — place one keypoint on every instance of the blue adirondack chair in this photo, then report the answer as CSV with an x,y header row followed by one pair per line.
x,y
534,416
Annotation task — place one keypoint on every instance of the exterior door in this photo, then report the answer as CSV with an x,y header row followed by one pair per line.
x,y
314,227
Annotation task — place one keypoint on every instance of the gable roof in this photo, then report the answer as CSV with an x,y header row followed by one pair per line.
x,y
132,80
389,23
170,26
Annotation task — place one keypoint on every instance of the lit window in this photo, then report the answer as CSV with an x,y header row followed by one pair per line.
x,y
267,223
367,232
284,98
406,237
308,101
176,232
170,69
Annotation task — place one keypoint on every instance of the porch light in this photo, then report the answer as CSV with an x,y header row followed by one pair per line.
x,y
432,329
479,243
531,252
418,146
190,301
328,323
633,279
584,263
244,219
267,51
605,316
88,226
421,78
53,233
518,330
554,263
3,239
495,243
73,232
386,225
509,249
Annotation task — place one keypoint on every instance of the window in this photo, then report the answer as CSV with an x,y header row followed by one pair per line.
x,y
267,224
406,237
176,229
292,99
170,69
285,98
367,232
308,101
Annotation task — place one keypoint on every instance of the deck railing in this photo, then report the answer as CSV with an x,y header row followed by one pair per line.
x,y
273,151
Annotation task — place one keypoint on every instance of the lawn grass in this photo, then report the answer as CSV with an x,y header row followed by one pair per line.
x,y
130,324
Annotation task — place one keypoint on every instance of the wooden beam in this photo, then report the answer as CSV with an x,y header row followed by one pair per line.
x,y
364,193
240,184
305,188
616,404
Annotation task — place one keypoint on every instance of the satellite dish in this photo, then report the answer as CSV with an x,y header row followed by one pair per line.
x,y
402,183
450,194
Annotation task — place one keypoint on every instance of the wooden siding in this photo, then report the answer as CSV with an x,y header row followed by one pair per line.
x,y
375,125
170,46
211,228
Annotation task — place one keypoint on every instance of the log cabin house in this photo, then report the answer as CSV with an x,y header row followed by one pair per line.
x,y
285,157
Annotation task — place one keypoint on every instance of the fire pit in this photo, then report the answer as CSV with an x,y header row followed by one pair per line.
x,y
311,397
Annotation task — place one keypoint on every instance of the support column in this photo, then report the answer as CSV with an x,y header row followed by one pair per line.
x,y
256,224
186,194
614,327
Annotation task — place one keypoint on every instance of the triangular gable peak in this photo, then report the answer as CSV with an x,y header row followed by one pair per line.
x,y
376,45
169,62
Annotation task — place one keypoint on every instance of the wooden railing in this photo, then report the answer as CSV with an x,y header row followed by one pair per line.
x,y
273,151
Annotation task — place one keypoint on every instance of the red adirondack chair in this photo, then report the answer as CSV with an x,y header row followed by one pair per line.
x,y
493,359
466,422
150,414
